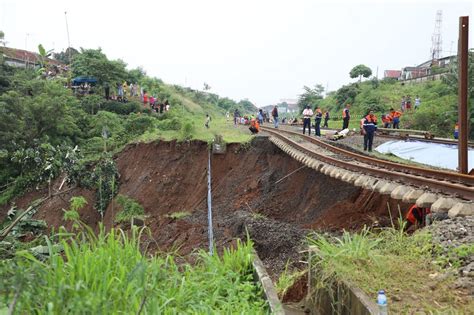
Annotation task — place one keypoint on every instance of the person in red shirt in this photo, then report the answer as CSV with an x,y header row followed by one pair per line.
x,y
254,126
145,98
416,216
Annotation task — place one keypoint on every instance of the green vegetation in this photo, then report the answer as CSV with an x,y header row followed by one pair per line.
x,y
130,209
360,71
178,215
437,112
391,260
287,279
109,274
47,130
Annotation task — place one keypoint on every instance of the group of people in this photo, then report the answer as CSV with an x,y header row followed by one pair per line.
x,y
406,104
154,103
392,120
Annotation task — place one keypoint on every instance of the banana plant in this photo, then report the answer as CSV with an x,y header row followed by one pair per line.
x,y
43,58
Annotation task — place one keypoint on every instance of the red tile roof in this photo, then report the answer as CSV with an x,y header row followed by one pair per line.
x,y
392,73
23,55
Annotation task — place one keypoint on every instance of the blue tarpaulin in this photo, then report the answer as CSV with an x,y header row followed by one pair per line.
x,y
83,79
434,154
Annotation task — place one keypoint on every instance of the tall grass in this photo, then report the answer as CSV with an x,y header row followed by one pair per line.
x,y
108,274
386,259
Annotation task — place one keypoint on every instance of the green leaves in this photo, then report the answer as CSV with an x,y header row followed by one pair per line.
x,y
360,71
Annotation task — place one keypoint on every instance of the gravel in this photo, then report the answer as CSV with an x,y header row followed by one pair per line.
x,y
453,233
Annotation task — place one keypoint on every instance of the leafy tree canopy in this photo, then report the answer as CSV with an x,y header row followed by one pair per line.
x,y
93,62
310,96
63,56
360,71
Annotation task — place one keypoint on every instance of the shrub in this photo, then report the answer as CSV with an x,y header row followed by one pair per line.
x,y
138,124
91,103
169,124
187,131
121,108
130,209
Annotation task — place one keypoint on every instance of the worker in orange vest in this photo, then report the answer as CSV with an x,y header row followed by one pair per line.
x,y
386,120
395,115
456,131
254,126
416,216
346,116
369,126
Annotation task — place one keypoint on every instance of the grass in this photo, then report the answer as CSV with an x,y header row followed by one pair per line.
x,y
130,209
108,274
389,259
178,215
218,125
287,279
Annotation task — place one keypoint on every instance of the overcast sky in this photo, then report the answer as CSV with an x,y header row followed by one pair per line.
x,y
261,50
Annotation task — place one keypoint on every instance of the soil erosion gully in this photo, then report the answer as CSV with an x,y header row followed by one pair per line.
x,y
456,184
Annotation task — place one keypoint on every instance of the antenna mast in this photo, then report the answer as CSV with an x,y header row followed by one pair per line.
x,y
436,39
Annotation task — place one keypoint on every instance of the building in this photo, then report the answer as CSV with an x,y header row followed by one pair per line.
x,y
394,74
430,68
23,59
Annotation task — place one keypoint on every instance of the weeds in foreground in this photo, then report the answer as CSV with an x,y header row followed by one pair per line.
x,y
287,279
108,274
386,259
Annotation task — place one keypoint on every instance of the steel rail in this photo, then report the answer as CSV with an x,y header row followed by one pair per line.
x,y
419,180
426,172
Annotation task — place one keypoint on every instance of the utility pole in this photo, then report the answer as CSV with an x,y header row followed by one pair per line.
x,y
462,93
68,41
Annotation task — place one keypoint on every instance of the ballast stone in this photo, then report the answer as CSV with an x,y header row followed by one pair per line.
x,y
461,209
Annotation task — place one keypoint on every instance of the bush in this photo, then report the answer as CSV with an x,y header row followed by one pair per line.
x,y
130,209
137,124
187,131
121,108
169,124
91,103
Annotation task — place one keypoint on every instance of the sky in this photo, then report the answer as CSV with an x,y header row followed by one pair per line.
x,y
259,50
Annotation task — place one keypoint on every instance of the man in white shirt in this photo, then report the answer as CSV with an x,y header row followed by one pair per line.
x,y
307,113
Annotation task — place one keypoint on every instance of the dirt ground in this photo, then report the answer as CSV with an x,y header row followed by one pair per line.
x,y
169,177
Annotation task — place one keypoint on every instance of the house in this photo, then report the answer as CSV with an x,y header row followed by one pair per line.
x,y
23,59
394,74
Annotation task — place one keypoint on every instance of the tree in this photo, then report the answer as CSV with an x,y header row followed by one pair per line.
x,y
93,62
310,96
360,71
66,56
136,75
206,87
2,38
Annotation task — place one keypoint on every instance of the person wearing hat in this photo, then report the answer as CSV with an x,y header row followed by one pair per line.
x,y
307,113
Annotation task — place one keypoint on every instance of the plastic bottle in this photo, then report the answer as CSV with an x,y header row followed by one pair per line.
x,y
382,302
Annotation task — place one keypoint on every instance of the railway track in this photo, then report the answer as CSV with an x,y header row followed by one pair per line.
x,y
443,182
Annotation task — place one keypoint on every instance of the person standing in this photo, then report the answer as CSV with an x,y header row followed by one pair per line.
x,y
417,102
370,126
346,116
208,121
275,116
236,117
307,114
317,121
260,116
326,119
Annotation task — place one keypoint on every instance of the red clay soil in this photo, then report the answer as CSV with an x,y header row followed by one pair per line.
x,y
168,177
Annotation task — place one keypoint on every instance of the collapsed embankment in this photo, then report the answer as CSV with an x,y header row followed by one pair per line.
x,y
170,177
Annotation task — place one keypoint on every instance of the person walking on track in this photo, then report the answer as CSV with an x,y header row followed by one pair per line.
x,y
275,116
317,121
326,119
